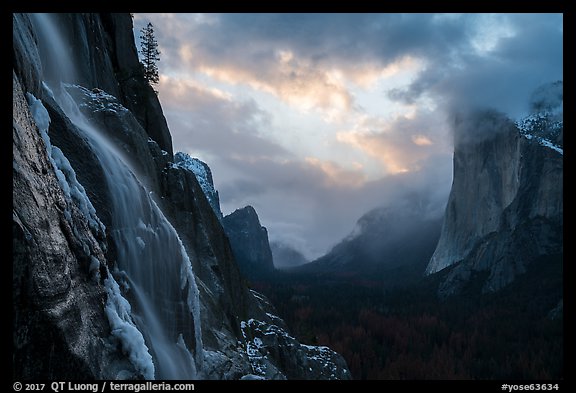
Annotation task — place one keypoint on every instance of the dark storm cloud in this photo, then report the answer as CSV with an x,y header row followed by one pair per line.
x,y
348,38
501,78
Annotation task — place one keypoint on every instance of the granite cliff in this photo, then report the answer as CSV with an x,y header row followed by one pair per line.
x,y
506,204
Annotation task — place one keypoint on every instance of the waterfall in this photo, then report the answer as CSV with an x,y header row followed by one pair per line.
x,y
153,267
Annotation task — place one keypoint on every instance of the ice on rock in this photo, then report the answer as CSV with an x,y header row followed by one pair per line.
x,y
73,190
39,113
119,313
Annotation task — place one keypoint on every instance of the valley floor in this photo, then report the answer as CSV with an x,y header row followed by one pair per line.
x,y
409,334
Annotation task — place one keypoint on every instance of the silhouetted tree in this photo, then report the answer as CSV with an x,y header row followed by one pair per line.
x,y
150,54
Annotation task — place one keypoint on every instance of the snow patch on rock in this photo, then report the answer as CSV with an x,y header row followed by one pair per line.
x,y
202,172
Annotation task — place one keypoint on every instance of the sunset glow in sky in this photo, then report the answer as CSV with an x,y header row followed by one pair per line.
x,y
314,119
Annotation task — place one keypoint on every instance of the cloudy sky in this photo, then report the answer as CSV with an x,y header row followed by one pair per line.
x,y
314,119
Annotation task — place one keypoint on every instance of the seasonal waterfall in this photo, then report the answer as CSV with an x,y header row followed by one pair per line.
x,y
153,269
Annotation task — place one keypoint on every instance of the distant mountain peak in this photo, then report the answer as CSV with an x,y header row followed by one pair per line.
x,y
390,245
249,242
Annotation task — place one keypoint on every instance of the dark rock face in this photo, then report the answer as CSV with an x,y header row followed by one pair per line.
x,y
27,63
106,58
249,242
505,207
135,93
203,237
89,49
59,323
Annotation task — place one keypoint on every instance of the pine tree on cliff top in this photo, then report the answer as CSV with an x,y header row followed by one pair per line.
x,y
150,54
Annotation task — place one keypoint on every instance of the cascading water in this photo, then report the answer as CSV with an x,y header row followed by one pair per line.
x,y
152,262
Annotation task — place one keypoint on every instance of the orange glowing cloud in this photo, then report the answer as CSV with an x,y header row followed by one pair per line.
x,y
301,83
396,143
388,154
183,92
335,175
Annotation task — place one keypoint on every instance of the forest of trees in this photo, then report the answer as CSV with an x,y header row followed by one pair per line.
x,y
409,334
